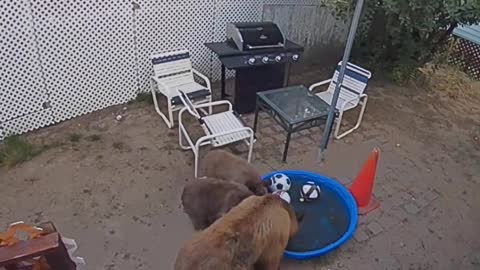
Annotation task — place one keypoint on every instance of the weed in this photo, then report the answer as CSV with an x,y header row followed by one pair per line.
x,y
118,145
16,150
74,137
448,81
45,147
94,138
144,97
404,74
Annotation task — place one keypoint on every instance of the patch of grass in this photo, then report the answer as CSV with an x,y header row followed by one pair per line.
x,y
16,150
45,147
74,137
94,138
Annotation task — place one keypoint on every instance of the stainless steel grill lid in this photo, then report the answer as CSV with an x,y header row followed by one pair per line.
x,y
247,36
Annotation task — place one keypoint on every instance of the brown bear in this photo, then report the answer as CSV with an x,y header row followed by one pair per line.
x,y
206,200
224,165
252,235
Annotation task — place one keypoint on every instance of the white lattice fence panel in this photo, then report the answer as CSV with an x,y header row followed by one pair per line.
x,y
232,11
466,55
28,122
87,53
61,58
22,88
170,25
2,133
292,2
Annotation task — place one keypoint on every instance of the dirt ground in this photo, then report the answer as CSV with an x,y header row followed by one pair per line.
x,y
118,194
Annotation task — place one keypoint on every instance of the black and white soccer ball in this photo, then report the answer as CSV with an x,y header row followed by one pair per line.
x,y
309,192
280,182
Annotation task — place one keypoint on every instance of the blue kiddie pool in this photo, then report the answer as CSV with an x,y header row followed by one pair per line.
x,y
328,223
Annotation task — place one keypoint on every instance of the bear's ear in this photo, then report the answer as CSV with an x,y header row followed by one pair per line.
x,y
300,216
261,190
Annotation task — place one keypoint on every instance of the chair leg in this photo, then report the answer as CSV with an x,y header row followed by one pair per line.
x,y
180,139
170,113
250,145
157,108
210,108
182,134
338,125
196,153
357,125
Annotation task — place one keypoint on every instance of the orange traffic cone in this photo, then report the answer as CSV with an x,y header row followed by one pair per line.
x,y
362,187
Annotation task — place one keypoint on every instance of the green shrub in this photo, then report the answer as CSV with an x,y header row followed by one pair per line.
x,y
399,36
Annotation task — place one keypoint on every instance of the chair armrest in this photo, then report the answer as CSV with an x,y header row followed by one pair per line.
x,y
342,107
206,105
215,103
188,104
315,85
207,81
155,79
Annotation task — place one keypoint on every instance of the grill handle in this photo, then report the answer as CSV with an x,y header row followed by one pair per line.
x,y
279,45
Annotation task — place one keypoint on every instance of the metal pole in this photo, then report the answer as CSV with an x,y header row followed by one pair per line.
x,y
346,57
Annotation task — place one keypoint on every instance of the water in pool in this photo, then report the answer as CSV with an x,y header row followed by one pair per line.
x,y
325,220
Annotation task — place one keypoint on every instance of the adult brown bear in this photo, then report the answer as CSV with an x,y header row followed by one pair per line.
x,y
252,235
206,200
224,165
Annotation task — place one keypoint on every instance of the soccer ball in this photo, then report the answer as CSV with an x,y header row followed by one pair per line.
x,y
309,192
280,181
283,195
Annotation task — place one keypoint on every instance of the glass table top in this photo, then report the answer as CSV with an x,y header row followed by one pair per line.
x,y
295,104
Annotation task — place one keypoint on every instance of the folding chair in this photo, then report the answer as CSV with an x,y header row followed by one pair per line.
x,y
352,93
220,128
173,70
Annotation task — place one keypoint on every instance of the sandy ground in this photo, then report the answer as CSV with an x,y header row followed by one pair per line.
x,y
119,196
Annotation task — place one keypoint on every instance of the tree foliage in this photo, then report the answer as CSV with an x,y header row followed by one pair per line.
x,y
400,35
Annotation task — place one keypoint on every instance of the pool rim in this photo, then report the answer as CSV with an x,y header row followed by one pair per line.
x,y
346,197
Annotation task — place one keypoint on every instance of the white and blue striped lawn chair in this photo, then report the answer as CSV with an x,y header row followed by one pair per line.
x,y
352,93
221,128
173,71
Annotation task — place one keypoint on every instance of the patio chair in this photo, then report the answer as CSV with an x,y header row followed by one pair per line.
x,y
352,94
173,70
220,129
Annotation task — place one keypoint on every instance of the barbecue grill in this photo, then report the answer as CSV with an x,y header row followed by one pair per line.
x,y
261,57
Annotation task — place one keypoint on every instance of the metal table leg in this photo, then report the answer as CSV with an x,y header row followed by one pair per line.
x,y
223,93
286,79
287,143
255,121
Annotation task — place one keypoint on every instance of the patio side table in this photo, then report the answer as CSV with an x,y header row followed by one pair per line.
x,y
294,108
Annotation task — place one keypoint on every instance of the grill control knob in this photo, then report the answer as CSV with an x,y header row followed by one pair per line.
x,y
278,58
251,61
265,59
295,57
